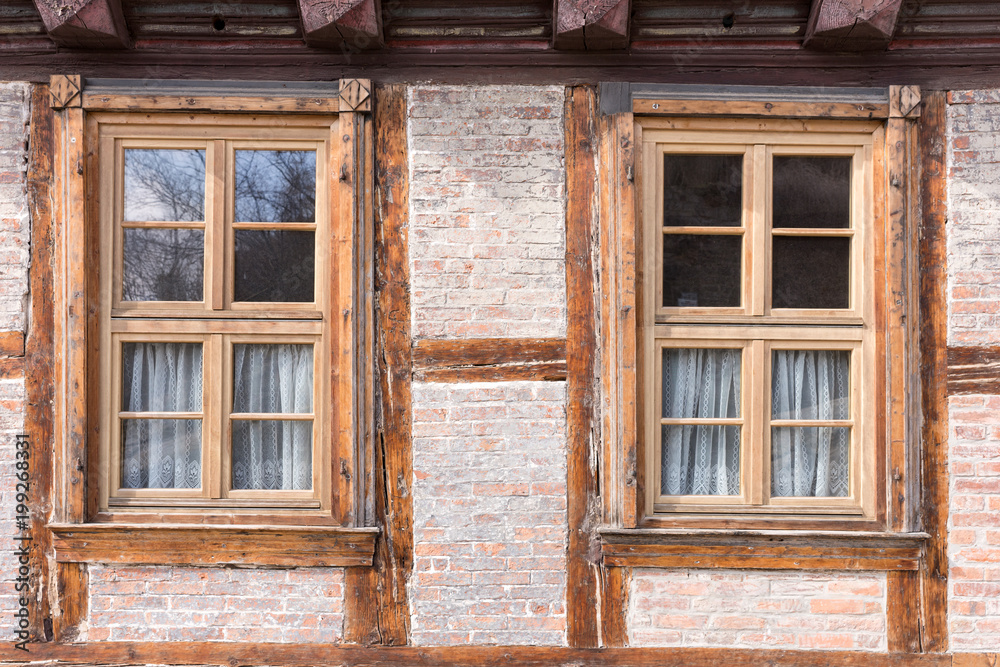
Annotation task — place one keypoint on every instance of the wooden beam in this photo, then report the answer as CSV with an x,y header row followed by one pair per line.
x,y
591,25
489,360
973,370
851,25
348,25
85,24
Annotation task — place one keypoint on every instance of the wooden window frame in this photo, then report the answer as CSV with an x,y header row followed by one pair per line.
x,y
329,528
633,535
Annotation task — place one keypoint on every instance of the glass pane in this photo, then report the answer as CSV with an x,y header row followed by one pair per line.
x,y
810,384
811,272
810,461
163,265
700,460
274,266
812,192
702,190
272,454
700,270
161,377
161,454
164,184
272,379
275,186
701,383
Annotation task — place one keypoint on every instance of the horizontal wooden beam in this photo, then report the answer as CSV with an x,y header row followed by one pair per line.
x,y
764,550
591,25
99,654
11,344
167,544
347,25
489,360
973,370
85,24
851,25
760,109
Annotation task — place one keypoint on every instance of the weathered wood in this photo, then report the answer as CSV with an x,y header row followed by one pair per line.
x,y
166,544
934,380
615,583
64,91
85,24
489,360
38,350
11,368
583,486
348,25
903,611
592,25
975,660
99,654
973,370
762,109
851,25
376,609
213,104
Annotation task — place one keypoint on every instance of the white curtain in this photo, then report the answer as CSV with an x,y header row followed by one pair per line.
x,y
810,384
272,453
703,459
161,453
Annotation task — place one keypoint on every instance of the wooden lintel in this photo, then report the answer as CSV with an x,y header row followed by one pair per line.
x,y
85,24
591,25
348,25
490,360
851,25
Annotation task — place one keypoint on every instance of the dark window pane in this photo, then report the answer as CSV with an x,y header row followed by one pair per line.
x,y
700,460
811,272
810,384
275,186
272,454
812,192
701,270
163,265
274,266
810,461
165,185
701,383
161,377
272,378
161,454
702,190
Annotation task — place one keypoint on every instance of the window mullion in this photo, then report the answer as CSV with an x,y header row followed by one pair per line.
x,y
215,211
756,421
211,424
759,214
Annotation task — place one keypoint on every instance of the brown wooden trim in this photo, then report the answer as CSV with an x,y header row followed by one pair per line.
x,y
376,606
489,360
615,583
973,370
761,108
902,613
975,659
583,485
851,25
101,654
165,544
934,372
11,343
11,368
770,550
213,104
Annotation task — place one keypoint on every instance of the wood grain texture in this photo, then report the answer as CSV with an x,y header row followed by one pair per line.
x,y
903,611
973,370
763,109
329,655
352,25
591,25
934,371
489,360
583,486
851,25
12,342
212,104
615,583
85,24
377,609
164,544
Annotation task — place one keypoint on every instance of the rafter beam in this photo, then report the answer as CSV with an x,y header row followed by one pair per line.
x,y
85,24
851,25
591,25
350,25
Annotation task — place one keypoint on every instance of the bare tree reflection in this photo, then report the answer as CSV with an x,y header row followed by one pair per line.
x,y
163,265
164,185
275,186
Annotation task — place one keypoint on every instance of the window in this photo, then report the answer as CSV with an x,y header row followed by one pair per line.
x,y
214,314
759,318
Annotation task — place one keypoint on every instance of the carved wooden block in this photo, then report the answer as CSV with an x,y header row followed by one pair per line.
x,y
64,91
356,95
592,25
85,24
350,25
851,25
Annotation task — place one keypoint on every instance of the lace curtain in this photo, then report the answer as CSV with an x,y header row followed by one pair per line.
x,y
272,453
161,453
810,460
702,459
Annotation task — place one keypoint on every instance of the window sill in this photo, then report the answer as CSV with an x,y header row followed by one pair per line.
x,y
177,544
762,549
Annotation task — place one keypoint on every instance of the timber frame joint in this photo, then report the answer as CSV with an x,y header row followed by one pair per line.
x,y
356,95
65,91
